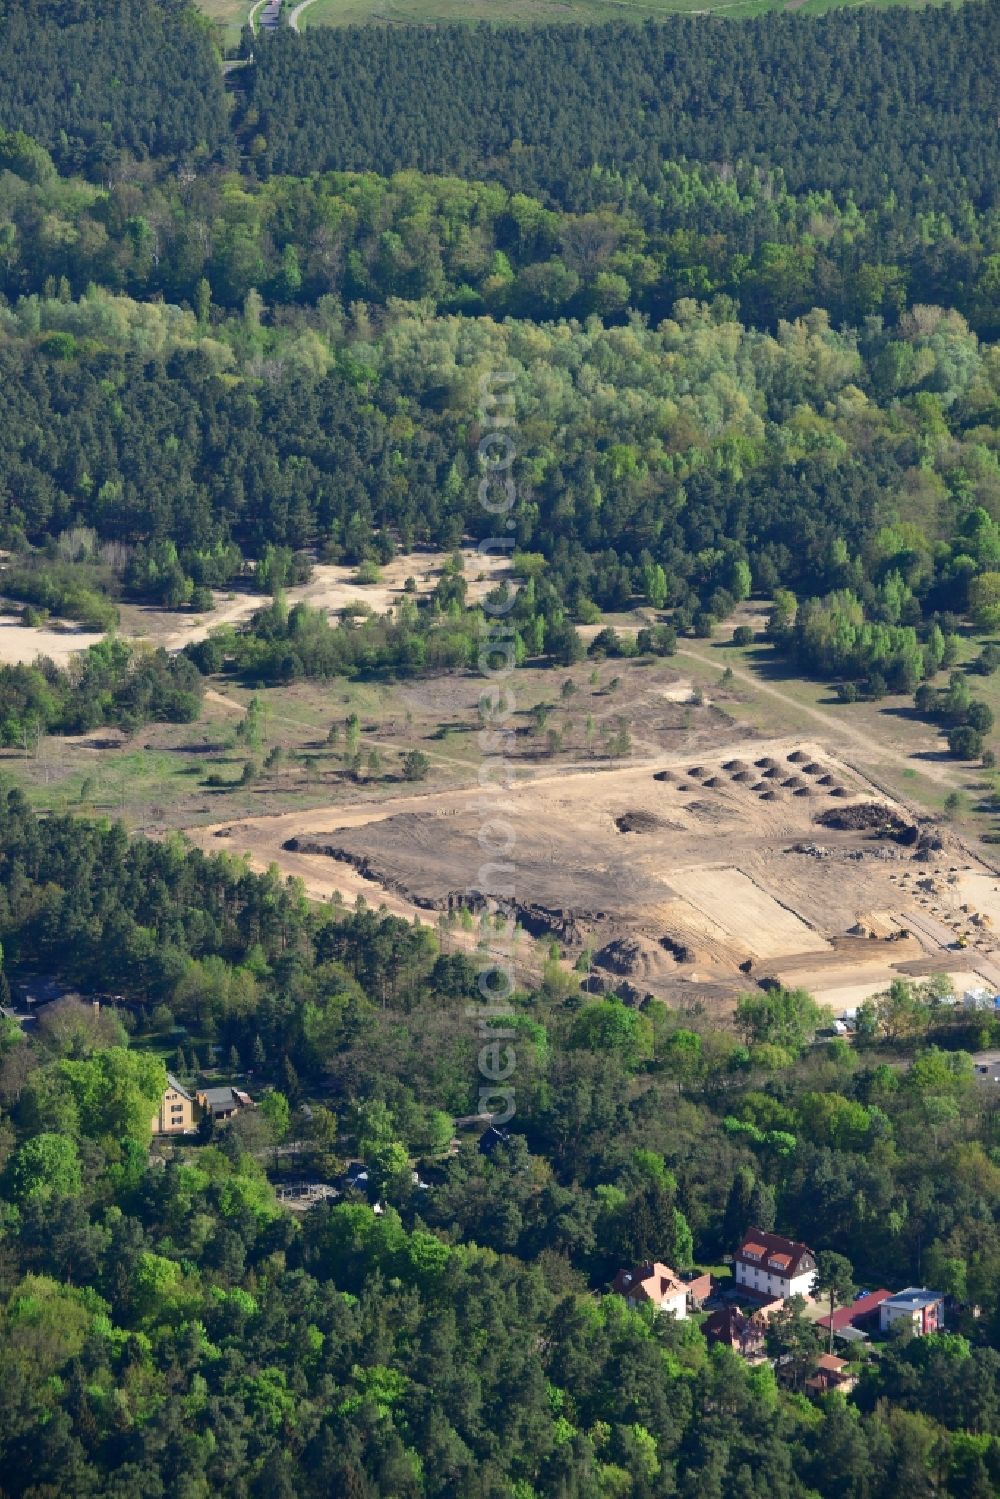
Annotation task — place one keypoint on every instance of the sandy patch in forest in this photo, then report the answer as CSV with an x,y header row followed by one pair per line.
x,y
332,587
19,645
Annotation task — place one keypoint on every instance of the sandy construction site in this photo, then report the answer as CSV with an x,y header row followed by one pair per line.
x,y
691,879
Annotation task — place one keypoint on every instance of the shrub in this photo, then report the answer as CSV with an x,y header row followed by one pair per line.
x,y
965,742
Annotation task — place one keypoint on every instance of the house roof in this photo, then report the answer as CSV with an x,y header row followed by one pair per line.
x,y
178,1087
914,1298
786,1257
651,1282
224,1100
765,1302
731,1326
846,1316
218,1096
831,1363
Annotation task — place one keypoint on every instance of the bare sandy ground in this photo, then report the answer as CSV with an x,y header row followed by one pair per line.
x,y
700,873
22,646
849,996
332,588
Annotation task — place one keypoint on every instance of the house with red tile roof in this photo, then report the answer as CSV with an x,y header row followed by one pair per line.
x,y
832,1373
772,1265
655,1284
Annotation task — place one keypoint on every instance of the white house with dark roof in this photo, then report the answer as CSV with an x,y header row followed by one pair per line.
x,y
773,1266
916,1310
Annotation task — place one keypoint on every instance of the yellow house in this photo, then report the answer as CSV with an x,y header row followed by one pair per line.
x,y
178,1111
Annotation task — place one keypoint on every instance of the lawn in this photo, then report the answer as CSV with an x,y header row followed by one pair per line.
x,y
540,12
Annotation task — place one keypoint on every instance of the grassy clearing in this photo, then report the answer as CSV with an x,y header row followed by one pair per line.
x,y
546,12
902,751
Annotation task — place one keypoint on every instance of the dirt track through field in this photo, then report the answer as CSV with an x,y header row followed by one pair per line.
x,y
835,726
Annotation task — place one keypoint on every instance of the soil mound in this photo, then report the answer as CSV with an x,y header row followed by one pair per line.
x,y
632,957
641,822
876,818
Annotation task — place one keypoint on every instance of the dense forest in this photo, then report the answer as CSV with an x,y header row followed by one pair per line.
x,y
167,1324
91,81
211,238
870,103
735,460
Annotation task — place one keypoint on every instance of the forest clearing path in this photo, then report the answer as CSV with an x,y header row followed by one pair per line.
x,y
293,15
836,726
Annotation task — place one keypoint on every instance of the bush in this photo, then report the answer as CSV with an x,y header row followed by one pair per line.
x,y
415,765
980,716
743,635
988,660
965,742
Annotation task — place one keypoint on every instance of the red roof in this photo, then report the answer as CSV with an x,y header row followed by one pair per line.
x,y
846,1316
653,1282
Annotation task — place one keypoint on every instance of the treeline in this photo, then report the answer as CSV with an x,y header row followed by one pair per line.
x,y
91,81
868,104
478,248
112,682
683,466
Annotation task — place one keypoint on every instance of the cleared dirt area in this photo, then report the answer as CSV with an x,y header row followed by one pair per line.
x,y
332,587
691,876
21,646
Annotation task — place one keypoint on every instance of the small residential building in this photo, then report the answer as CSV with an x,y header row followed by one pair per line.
x,y
916,1309
699,1288
654,1284
774,1266
355,1178
761,1303
223,1103
740,1331
178,1111
832,1373
861,1314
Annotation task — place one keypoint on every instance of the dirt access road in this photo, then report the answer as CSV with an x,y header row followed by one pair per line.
x,y
874,752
